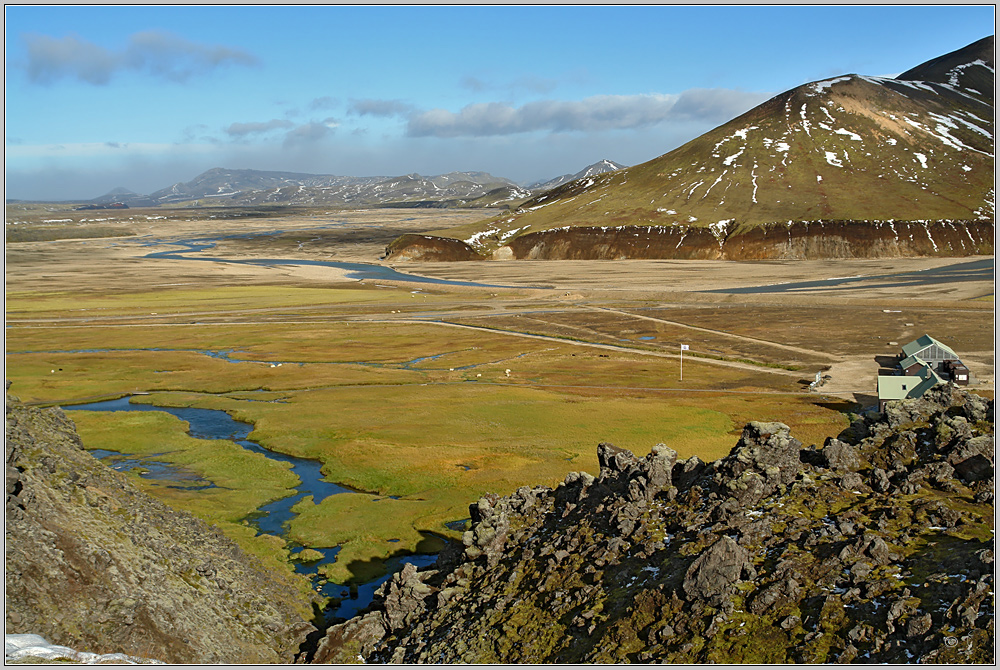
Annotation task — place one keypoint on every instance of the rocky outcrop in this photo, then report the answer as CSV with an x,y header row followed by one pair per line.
x,y
95,565
776,241
412,247
875,548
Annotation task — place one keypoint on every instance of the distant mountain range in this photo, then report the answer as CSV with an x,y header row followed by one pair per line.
x,y
590,171
257,187
848,166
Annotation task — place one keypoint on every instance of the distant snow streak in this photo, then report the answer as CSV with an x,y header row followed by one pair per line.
x,y
844,131
956,71
820,86
729,159
805,121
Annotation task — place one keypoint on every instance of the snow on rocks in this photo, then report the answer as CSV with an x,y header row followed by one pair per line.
x,y
25,646
477,237
956,72
741,133
720,229
844,131
819,86
729,159
805,120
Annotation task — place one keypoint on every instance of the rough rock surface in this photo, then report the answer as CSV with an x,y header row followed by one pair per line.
x,y
875,548
94,564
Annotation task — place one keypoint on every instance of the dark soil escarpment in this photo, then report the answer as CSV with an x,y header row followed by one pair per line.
x,y
412,247
94,564
875,548
778,241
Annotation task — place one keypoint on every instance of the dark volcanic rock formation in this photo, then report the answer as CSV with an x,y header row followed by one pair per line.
x,y
94,564
876,548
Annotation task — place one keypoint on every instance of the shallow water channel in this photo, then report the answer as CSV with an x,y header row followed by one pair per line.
x,y
211,424
362,271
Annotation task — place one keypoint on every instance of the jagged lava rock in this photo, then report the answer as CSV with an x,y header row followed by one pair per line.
x,y
773,554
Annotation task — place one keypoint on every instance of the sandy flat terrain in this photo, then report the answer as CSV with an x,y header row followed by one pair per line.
x,y
361,236
121,264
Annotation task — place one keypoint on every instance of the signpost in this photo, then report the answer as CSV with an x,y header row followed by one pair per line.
x,y
683,349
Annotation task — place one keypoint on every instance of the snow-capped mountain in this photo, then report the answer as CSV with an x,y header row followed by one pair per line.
x,y
256,187
869,151
600,167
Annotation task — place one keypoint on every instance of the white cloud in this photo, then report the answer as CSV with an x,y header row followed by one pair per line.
x,y
310,133
160,54
374,107
597,113
256,128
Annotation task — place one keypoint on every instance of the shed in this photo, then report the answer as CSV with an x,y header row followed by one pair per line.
x,y
959,372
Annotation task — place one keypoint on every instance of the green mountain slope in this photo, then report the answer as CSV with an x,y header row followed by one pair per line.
x,y
852,148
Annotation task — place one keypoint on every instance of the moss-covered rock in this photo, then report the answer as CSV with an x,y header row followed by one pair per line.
x,y
642,565
92,563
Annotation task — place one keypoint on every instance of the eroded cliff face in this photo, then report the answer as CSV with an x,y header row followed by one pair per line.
x,y
876,548
94,564
791,241
413,247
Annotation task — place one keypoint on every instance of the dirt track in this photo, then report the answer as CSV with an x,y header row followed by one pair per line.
x,y
615,288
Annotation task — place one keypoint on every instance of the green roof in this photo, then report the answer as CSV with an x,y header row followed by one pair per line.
x,y
898,387
910,360
921,343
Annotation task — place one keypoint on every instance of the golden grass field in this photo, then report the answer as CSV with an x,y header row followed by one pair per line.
x,y
425,397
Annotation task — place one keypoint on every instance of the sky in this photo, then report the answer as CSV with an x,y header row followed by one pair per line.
x,y
143,97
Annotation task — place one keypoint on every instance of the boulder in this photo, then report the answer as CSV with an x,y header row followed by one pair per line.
x,y
350,641
777,594
637,479
712,575
403,597
973,459
841,455
765,459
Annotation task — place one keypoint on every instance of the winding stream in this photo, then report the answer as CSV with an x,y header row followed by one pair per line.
x,y
368,271
977,270
211,424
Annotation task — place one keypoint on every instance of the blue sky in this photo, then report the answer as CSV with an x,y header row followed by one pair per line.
x,y
143,97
